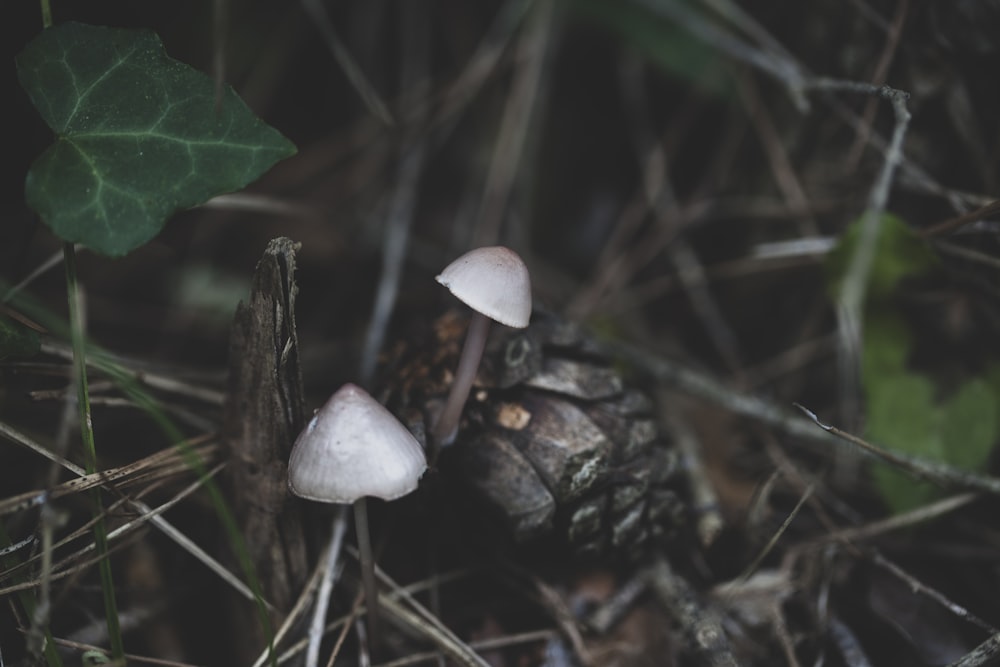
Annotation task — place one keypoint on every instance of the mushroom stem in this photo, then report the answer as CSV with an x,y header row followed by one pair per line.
x,y
367,568
446,427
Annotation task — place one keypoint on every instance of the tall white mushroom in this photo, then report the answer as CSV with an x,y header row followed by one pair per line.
x,y
494,282
351,449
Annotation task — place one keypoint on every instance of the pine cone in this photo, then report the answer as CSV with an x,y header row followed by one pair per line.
x,y
551,439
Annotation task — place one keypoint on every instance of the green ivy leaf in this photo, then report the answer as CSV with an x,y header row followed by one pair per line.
x,y
138,136
899,253
905,412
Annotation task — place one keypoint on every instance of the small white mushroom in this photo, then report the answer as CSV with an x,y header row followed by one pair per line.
x,y
494,282
351,449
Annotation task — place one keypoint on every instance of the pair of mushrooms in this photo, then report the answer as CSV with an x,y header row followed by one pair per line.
x,y
354,447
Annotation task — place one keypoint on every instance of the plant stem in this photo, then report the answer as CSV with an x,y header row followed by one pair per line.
x,y
446,425
46,14
150,406
367,568
87,435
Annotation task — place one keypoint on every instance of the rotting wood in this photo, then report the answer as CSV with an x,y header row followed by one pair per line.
x,y
263,413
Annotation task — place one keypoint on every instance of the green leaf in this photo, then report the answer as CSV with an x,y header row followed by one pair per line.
x,y
905,413
138,136
899,253
16,340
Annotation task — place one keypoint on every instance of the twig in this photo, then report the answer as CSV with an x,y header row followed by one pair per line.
x,y
100,360
778,64
708,388
515,123
950,225
330,561
773,541
426,623
777,155
662,201
701,626
612,610
984,654
881,69
480,645
900,521
161,523
433,632
705,503
563,617
401,209
931,471
917,586
847,643
367,93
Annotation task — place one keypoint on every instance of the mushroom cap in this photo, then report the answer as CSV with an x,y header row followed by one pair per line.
x,y
354,447
493,281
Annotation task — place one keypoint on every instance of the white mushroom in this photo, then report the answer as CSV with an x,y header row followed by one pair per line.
x,y
494,282
351,449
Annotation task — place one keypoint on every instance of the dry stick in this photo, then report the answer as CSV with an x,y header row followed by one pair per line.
x,y
920,468
165,526
848,644
702,626
710,389
365,90
345,621
490,644
612,610
515,123
899,521
851,299
399,218
301,604
775,61
559,610
98,360
878,77
439,635
984,654
120,531
482,63
916,586
771,543
130,657
705,505
662,201
777,156
332,557
950,225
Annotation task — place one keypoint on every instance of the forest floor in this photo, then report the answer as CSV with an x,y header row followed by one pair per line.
x,y
740,208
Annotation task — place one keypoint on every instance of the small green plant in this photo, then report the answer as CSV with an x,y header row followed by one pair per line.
x,y
905,410
138,137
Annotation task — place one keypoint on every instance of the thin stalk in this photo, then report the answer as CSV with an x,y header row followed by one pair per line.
x,y
46,14
90,450
446,426
151,407
8,561
367,568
